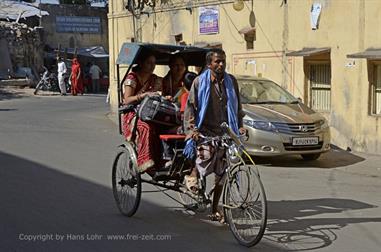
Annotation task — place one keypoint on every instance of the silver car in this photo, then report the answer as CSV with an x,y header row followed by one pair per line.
x,y
280,124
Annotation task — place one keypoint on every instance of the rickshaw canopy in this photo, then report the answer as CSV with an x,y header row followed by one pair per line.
x,y
193,56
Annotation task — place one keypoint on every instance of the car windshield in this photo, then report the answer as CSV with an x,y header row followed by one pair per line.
x,y
263,92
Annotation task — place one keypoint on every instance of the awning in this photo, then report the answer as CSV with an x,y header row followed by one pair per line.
x,y
12,10
92,52
371,53
307,51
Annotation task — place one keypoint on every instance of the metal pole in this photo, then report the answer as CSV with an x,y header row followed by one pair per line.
x,y
119,98
134,24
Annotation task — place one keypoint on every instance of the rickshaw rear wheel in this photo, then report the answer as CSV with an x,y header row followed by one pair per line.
x,y
126,180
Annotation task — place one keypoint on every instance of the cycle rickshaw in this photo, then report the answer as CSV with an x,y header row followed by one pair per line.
x,y
244,199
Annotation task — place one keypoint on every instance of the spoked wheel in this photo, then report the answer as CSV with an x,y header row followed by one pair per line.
x,y
245,205
126,181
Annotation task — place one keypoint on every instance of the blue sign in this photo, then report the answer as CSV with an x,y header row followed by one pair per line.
x,y
78,24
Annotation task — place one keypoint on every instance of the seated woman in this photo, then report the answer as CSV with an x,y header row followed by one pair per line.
x,y
173,81
182,95
188,81
138,84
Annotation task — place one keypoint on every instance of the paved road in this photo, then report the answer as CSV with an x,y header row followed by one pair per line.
x,y
55,158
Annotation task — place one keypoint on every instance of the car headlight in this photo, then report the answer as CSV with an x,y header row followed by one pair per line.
x,y
323,124
260,125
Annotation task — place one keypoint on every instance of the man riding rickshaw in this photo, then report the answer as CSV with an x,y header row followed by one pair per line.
x,y
149,114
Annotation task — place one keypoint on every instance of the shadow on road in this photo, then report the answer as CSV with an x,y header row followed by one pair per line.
x,y
37,200
8,94
332,159
289,223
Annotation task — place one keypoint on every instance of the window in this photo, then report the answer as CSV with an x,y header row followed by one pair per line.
x,y
320,86
376,90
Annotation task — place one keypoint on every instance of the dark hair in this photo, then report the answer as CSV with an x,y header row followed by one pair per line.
x,y
173,58
142,57
188,79
212,52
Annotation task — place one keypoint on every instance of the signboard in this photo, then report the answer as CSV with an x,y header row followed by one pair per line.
x,y
78,24
208,20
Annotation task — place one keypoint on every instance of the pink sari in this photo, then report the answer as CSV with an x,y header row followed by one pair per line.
x,y
146,137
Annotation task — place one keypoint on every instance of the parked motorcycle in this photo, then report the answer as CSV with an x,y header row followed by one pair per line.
x,y
49,82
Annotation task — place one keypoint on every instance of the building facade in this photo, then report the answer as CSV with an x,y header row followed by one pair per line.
x,y
72,26
323,51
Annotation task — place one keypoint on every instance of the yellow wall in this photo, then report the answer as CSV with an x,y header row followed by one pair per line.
x,y
346,26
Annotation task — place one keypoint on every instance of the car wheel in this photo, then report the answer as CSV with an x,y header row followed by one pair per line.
x,y
310,157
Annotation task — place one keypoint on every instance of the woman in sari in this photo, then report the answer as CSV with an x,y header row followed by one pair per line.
x,y
173,81
76,78
138,84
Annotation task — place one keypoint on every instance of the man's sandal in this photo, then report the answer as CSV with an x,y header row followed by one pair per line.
x,y
217,216
191,183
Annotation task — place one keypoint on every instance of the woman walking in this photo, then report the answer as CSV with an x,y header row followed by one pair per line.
x,y
76,78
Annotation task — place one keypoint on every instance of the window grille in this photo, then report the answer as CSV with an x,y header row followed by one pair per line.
x,y
377,91
320,87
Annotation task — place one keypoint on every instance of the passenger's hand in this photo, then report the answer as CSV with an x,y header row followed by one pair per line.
x,y
168,97
242,131
147,94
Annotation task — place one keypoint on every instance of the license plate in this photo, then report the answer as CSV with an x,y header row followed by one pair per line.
x,y
305,140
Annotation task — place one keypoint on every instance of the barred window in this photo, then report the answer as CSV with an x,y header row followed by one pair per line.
x,y
320,86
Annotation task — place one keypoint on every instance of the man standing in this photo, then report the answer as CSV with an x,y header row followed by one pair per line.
x,y
95,73
213,99
61,69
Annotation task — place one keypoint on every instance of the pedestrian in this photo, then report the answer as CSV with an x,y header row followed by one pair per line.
x,y
61,69
76,78
213,99
95,73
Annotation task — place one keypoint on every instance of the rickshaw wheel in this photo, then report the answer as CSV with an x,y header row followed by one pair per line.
x,y
126,181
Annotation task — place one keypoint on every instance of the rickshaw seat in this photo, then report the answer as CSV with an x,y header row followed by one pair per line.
x,y
172,137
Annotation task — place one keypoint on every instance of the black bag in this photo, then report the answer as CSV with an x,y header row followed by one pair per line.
x,y
158,110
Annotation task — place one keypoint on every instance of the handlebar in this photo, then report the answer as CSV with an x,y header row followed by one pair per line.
x,y
229,134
